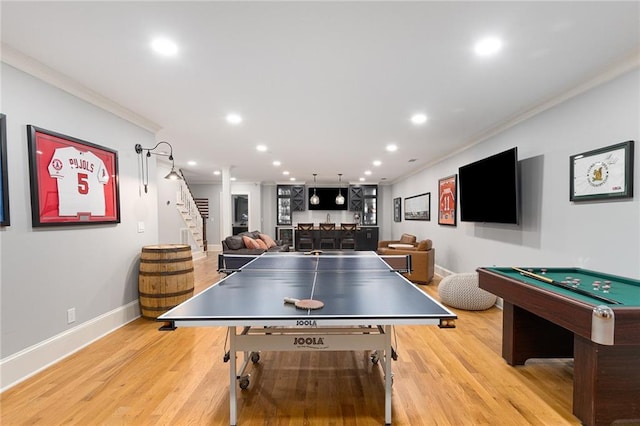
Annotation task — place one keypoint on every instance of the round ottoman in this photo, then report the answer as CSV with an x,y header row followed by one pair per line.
x,y
461,291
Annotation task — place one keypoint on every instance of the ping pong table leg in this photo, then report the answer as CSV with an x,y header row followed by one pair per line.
x,y
388,378
232,377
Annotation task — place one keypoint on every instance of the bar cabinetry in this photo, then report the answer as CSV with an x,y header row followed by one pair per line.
x,y
290,198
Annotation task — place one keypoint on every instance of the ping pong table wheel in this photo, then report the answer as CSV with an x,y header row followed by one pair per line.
x,y
255,357
226,357
394,354
375,358
244,382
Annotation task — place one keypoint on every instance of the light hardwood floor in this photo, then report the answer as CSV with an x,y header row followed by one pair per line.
x,y
138,375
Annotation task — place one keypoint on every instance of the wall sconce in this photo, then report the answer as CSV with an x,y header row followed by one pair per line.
x,y
340,198
315,200
173,175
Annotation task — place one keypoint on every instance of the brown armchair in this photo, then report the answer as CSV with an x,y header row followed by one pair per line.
x,y
423,257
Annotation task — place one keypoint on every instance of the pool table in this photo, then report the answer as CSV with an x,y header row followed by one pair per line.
x,y
568,317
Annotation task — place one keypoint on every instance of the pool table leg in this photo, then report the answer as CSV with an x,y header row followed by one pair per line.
x,y
606,382
526,335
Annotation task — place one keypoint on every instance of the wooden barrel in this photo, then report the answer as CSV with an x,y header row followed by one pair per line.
x,y
165,279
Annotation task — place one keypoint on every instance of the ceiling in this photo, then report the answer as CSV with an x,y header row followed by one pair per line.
x,y
325,86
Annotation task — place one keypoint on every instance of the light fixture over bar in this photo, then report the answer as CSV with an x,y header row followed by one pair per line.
x,y
340,198
315,200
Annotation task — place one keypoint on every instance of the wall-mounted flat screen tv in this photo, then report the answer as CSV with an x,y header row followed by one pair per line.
x,y
489,189
327,199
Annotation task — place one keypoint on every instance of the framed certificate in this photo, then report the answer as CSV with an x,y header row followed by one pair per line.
x,y
73,182
605,173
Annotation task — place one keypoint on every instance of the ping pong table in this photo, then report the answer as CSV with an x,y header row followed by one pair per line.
x,y
363,298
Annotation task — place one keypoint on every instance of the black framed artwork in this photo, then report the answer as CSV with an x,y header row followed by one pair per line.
x,y
397,209
602,174
4,174
418,207
73,182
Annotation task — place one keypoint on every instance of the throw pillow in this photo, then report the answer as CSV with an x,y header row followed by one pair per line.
x,y
407,239
235,242
268,240
261,243
250,243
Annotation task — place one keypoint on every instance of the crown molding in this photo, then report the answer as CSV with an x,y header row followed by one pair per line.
x,y
29,65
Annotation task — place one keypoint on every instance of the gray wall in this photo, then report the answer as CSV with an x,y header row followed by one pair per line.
x,y
46,271
554,231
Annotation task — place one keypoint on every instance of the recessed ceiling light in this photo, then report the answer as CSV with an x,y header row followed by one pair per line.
x,y
488,46
164,46
377,163
292,179
418,118
261,148
276,163
233,118
232,178
361,179
216,172
286,173
367,172
392,147
192,163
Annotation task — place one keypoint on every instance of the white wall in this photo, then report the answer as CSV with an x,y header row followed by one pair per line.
x,y
46,271
602,236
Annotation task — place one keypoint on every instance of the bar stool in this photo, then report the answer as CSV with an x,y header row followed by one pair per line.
x,y
304,236
348,236
327,235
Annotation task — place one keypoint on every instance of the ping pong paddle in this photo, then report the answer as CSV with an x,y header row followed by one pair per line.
x,y
304,303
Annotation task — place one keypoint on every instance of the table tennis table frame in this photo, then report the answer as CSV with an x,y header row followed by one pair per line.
x,y
283,334
336,335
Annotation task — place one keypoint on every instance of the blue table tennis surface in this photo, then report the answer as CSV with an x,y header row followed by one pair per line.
x,y
352,287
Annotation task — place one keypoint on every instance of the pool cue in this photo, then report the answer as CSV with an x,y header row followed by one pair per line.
x,y
566,286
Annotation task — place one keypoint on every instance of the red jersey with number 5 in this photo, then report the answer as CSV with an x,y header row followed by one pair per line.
x,y
81,177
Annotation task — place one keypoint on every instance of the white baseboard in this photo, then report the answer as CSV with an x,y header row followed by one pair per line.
x,y
30,361
442,272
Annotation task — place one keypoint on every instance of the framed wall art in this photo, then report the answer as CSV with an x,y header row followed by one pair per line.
x,y
73,182
4,174
447,200
397,209
418,207
602,174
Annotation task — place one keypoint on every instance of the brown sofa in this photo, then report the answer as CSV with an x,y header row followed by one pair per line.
x,y
423,257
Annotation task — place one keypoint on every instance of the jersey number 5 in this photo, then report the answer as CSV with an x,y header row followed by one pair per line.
x,y
83,184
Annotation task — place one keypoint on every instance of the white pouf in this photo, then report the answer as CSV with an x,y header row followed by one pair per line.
x,y
461,291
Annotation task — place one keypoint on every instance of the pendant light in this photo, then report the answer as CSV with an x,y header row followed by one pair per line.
x,y
340,198
315,200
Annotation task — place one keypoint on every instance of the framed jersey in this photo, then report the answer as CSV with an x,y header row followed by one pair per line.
x,y
73,182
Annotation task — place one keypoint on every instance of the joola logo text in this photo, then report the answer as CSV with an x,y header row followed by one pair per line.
x,y
309,341
307,323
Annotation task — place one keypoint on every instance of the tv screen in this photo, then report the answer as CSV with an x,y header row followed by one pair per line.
x,y
489,189
327,199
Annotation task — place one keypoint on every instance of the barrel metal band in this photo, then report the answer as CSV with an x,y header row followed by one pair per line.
x,y
163,295
180,259
165,250
160,274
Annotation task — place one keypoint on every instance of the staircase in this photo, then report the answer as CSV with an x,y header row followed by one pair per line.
x,y
194,212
